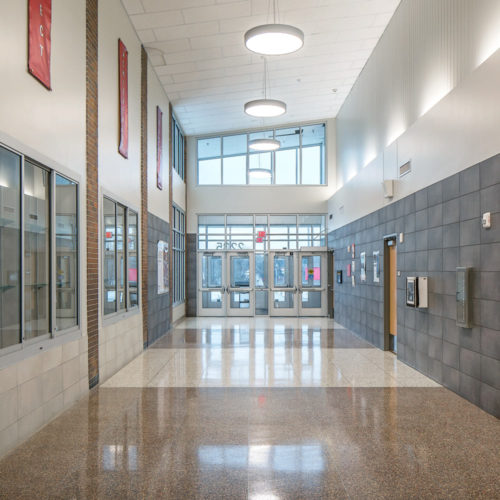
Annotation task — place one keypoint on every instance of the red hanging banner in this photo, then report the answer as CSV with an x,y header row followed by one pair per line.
x,y
123,85
159,147
39,26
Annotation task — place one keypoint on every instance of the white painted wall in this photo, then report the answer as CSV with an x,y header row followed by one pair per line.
x,y
460,131
428,49
119,178
41,381
158,200
258,199
117,174
31,114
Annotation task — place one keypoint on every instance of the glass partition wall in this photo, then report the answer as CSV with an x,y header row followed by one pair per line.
x,y
38,251
267,264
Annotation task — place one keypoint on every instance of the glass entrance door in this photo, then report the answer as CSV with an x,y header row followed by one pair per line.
x,y
240,298
211,279
312,284
283,299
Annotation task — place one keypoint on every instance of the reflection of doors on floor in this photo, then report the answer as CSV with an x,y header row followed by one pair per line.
x,y
391,295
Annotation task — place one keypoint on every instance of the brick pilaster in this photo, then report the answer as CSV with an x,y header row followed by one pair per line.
x,y
171,207
92,194
144,193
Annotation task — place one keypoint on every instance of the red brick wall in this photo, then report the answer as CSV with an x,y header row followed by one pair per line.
x,y
92,196
144,192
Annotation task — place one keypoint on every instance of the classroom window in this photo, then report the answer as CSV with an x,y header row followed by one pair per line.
x,y
120,262
38,251
179,256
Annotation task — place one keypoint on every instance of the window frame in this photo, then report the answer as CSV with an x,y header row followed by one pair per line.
x,y
299,163
118,313
53,335
178,256
287,235
178,148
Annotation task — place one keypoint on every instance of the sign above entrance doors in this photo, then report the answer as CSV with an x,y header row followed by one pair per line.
x,y
39,40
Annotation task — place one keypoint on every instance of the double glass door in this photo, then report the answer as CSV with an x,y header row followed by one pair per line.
x,y
287,283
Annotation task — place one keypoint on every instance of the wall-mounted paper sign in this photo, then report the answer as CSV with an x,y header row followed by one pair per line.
x,y
348,270
39,39
376,267
362,256
163,264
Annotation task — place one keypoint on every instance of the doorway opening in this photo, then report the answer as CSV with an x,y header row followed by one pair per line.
x,y
275,283
390,294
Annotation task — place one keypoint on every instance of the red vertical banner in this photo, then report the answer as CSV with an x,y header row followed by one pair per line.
x,y
39,27
123,91
159,147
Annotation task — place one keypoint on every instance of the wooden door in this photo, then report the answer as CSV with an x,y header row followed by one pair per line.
x,y
393,291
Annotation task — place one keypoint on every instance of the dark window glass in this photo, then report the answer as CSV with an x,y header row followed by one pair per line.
x,y
10,248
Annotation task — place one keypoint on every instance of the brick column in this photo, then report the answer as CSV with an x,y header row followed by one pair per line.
x,y
171,208
92,195
144,193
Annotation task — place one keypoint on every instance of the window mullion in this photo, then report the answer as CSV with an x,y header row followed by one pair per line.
x,y
116,257
21,261
52,270
125,257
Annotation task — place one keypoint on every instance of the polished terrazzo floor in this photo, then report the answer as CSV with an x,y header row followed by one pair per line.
x,y
265,410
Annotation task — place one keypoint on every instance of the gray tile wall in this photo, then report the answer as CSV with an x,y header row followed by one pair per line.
x,y
159,312
442,230
191,275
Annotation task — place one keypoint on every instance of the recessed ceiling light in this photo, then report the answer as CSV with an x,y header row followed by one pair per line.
x,y
264,145
274,39
265,108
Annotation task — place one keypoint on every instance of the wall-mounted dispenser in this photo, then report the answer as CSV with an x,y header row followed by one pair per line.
x,y
463,297
417,292
388,187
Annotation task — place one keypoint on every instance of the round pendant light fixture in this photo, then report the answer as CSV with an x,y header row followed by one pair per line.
x,y
274,39
265,108
264,145
259,173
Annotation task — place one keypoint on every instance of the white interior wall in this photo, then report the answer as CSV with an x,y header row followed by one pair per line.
x,y
32,115
158,200
258,199
119,178
428,49
45,378
460,131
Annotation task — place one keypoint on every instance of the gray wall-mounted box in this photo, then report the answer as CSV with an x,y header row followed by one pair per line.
x,y
463,297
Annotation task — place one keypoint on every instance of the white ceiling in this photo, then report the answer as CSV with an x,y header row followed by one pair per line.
x,y
197,50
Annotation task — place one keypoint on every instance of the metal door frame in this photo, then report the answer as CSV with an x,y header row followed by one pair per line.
x,y
294,289
323,288
250,312
215,311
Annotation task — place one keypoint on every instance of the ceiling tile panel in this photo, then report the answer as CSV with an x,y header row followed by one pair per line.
x,y
197,50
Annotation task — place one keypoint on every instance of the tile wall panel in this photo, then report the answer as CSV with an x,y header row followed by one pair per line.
x,y
442,229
